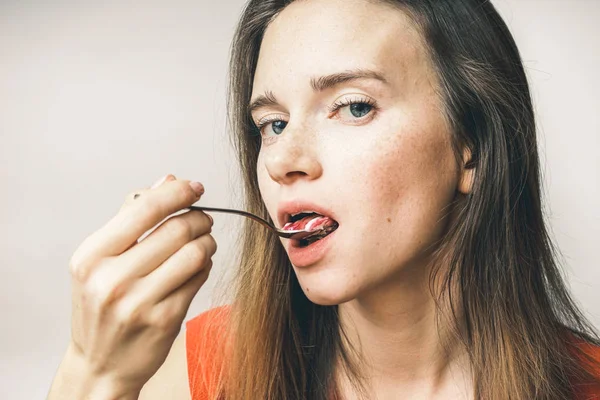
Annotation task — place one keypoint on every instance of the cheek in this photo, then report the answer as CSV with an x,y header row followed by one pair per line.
x,y
414,174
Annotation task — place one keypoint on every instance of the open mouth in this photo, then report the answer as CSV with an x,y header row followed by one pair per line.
x,y
320,226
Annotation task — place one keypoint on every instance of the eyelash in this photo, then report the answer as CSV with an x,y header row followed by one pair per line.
x,y
348,101
332,109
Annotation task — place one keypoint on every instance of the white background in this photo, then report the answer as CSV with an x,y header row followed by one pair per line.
x,y
100,98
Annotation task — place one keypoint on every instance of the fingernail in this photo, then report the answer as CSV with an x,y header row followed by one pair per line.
x,y
159,182
212,221
198,188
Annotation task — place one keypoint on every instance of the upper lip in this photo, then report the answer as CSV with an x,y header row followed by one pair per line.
x,y
289,208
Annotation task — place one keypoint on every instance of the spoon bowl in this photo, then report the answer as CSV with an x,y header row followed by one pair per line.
x,y
286,234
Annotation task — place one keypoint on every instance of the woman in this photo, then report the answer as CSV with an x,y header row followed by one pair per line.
x,y
409,126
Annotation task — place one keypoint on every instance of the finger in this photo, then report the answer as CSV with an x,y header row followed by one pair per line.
x,y
177,270
129,199
147,211
169,238
128,225
133,196
173,308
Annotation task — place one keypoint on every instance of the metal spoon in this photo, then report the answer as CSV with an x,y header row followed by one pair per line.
x,y
287,234
296,234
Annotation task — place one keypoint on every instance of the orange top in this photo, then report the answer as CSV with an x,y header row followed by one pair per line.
x,y
205,358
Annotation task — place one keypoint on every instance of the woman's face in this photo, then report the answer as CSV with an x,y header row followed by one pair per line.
x,y
383,168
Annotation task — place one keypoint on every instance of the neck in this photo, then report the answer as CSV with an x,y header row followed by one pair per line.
x,y
403,344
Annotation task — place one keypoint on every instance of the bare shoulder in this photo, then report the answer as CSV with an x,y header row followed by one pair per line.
x,y
171,379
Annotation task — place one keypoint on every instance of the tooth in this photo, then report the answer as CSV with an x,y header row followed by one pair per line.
x,y
303,212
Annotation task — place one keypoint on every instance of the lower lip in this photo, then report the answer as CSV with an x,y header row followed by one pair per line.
x,y
303,257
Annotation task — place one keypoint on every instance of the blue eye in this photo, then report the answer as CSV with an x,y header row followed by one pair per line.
x,y
277,126
353,109
359,110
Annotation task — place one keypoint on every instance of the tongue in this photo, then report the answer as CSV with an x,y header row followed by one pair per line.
x,y
311,223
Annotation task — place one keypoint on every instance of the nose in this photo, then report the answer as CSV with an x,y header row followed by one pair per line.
x,y
294,156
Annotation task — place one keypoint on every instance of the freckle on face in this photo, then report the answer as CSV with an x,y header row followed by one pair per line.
x,y
389,219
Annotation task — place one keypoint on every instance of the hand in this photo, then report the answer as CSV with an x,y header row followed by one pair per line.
x,y
130,298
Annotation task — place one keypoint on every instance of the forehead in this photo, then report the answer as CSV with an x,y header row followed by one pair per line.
x,y
319,37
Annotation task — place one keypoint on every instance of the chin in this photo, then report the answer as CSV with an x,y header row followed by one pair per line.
x,y
325,300
327,292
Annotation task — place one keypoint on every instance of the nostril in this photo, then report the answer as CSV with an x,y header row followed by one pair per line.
x,y
296,174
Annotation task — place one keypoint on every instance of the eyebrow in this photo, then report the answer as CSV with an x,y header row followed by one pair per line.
x,y
320,84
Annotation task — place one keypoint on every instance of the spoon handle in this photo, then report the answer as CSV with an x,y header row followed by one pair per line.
x,y
238,212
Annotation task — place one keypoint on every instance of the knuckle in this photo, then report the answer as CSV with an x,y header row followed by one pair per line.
x,y
79,264
166,320
102,293
179,228
129,313
77,269
195,253
212,244
99,294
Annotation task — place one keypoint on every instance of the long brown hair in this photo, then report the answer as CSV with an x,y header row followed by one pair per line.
x,y
519,320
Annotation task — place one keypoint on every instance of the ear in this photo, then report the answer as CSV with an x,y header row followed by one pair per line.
x,y
467,172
